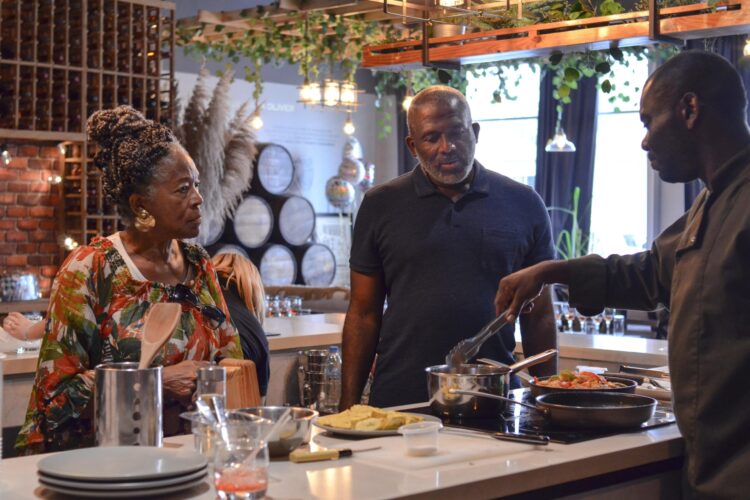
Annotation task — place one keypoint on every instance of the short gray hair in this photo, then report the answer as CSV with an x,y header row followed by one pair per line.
x,y
441,94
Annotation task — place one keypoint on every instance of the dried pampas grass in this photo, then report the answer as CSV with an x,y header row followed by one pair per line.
x,y
223,150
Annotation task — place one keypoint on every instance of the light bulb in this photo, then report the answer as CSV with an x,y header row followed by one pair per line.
x,y
349,126
256,121
54,179
304,94
309,93
348,95
559,143
331,93
746,49
5,154
406,103
61,148
69,243
313,93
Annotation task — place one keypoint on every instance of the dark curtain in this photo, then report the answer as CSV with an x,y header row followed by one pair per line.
x,y
558,174
729,47
406,161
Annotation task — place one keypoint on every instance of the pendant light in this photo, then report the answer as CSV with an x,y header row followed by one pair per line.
x,y
559,142
256,122
349,124
409,94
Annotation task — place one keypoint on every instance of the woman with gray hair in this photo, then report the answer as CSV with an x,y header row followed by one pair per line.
x,y
103,290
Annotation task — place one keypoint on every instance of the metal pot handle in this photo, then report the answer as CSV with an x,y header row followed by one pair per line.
x,y
495,396
533,360
523,376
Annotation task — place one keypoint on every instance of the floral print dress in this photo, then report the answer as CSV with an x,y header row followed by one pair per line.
x,y
96,315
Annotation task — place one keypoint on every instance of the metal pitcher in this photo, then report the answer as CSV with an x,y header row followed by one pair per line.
x,y
128,405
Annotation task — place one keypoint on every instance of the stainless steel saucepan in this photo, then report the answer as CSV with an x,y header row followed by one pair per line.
x,y
442,379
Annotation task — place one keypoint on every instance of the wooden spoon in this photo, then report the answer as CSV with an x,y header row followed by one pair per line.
x,y
160,324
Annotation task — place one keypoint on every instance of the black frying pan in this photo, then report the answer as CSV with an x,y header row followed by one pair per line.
x,y
588,410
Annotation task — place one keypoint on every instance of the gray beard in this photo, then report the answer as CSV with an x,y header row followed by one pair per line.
x,y
440,178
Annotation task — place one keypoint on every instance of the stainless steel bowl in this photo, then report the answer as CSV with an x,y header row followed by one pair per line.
x,y
293,434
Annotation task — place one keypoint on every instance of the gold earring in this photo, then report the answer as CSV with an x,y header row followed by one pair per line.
x,y
144,221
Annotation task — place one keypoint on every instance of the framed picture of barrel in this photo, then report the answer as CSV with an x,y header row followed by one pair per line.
x,y
335,231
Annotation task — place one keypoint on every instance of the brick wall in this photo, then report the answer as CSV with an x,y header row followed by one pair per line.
x,y
28,211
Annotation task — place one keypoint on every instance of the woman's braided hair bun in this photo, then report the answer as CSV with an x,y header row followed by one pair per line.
x,y
130,146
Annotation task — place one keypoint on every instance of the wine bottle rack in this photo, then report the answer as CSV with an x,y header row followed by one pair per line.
x,y
62,60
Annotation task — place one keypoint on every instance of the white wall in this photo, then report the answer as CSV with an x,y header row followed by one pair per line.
x,y
313,136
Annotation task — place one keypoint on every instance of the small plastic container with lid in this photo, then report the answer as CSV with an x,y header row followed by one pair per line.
x,y
421,438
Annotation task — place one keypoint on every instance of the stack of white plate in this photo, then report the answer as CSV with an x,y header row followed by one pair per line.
x,y
121,471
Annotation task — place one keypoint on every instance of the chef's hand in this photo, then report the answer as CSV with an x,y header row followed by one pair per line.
x,y
179,379
516,292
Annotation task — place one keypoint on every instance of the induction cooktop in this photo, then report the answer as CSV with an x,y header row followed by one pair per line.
x,y
522,420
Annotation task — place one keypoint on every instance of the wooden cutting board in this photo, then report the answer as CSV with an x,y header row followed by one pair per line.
x,y
243,390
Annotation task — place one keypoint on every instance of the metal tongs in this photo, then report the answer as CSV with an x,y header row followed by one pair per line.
x,y
468,348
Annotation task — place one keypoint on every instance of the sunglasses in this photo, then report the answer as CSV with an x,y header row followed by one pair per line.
x,y
214,316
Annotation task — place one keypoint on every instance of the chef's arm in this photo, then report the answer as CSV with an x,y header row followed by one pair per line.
x,y
539,333
360,335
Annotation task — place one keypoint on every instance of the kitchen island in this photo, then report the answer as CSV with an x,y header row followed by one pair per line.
x,y
468,465
287,336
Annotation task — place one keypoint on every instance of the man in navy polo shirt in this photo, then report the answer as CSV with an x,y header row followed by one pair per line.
x,y
435,242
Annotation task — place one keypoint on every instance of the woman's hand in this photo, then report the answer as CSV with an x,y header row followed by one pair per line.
x,y
17,325
179,379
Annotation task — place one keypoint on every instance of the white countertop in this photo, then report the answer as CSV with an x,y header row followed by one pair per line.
x,y
609,348
468,465
301,332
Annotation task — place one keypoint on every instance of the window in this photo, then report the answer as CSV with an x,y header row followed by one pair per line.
x,y
619,205
507,144
507,135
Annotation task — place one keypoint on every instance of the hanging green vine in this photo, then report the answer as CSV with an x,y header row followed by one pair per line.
x,y
316,40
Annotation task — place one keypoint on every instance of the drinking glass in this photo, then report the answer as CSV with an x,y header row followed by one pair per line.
x,y
608,314
618,325
273,307
296,305
598,320
211,381
557,308
241,461
285,311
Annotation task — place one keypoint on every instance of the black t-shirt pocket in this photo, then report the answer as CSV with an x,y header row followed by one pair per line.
x,y
500,252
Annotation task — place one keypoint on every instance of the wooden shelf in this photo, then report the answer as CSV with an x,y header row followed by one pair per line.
x,y
62,60
684,23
